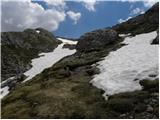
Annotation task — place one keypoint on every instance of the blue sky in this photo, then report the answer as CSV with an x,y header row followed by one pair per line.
x,y
69,19
106,14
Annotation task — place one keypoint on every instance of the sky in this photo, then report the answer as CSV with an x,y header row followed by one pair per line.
x,y
69,19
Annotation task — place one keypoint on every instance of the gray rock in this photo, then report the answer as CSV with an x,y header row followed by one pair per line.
x,y
140,108
64,72
149,108
97,40
122,115
69,46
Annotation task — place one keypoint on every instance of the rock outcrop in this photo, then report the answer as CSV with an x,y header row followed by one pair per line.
x,y
96,40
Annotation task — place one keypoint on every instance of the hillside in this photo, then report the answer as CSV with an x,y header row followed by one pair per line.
x,y
18,48
143,23
76,85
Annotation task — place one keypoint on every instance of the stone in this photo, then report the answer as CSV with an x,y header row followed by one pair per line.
x,y
122,115
140,108
69,46
149,109
97,40
64,72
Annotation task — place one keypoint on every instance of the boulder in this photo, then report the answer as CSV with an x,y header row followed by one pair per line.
x,y
65,72
140,107
150,85
69,46
96,40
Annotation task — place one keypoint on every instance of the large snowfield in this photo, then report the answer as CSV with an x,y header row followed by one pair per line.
x,y
122,70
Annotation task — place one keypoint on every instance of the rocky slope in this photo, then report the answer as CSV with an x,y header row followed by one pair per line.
x,y
18,48
141,24
64,90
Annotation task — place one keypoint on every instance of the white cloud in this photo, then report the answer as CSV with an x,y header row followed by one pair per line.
x,y
137,11
17,16
74,16
124,20
149,3
60,4
90,4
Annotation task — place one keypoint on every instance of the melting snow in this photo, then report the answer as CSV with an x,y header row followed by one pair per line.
x,y
124,35
121,70
46,60
4,91
37,31
67,41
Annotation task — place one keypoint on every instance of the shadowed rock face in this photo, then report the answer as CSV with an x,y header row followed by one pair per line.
x,y
96,40
18,48
141,24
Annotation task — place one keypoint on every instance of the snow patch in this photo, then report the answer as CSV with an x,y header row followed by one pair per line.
x,y
7,80
65,41
4,91
38,31
46,60
124,35
122,70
